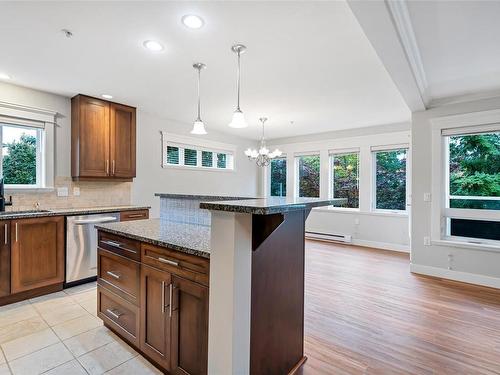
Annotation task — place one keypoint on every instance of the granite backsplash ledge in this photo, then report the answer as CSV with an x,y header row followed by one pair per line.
x,y
92,193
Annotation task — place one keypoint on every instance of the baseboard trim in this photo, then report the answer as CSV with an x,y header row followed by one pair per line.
x,y
465,277
382,245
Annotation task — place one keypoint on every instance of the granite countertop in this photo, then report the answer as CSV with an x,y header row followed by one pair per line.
x,y
200,197
273,205
9,215
184,237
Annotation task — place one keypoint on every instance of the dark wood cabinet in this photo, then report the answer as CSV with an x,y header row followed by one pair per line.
x,y
134,215
189,337
156,315
173,306
122,141
103,140
37,253
4,259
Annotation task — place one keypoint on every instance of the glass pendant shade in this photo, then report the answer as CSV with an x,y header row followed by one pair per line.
x,y
238,120
199,128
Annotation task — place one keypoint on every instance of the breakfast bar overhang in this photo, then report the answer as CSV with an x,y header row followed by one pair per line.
x,y
256,302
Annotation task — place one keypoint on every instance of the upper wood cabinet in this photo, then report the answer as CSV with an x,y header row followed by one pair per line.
x,y
37,253
103,139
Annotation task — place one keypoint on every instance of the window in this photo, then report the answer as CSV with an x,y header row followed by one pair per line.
x,y
21,155
472,203
308,168
207,159
278,177
345,178
190,157
390,179
195,156
172,155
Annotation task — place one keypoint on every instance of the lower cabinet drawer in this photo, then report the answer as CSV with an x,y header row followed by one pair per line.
x,y
134,215
119,314
121,275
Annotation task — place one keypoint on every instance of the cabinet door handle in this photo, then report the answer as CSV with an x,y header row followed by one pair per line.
x,y
6,239
112,274
170,303
163,297
16,232
168,261
113,314
113,167
107,167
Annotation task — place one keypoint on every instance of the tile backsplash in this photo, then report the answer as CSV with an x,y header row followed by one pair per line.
x,y
92,193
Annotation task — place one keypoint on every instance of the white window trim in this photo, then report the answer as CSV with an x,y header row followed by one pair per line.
x,y
456,124
296,183
45,172
384,148
331,175
183,141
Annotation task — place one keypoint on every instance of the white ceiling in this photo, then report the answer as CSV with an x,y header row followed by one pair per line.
x,y
307,62
459,43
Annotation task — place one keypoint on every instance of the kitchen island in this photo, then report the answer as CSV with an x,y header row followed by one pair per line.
x,y
157,279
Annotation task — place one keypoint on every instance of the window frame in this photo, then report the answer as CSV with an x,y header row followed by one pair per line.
x,y
388,148
331,175
45,119
297,156
442,128
184,142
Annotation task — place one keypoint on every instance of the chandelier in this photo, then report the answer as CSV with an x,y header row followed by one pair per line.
x,y
262,157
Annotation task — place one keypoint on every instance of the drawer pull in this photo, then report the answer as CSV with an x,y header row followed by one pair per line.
x,y
168,261
113,314
136,215
112,274
118,245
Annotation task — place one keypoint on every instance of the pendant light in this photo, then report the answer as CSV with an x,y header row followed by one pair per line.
x,y
238,120
198,125
262,156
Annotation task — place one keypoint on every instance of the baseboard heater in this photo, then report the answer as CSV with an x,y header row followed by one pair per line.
x,y
345,238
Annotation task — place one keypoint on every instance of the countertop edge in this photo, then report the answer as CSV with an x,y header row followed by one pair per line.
x,y
71,212
151,241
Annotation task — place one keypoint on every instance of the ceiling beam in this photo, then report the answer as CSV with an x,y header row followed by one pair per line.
x,y
387,26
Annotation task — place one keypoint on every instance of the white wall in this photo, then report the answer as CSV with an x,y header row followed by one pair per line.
x,y
469,265
152,178
60,104
367,227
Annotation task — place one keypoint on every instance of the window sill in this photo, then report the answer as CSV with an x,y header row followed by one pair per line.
x,y
466,245
189,168
357,211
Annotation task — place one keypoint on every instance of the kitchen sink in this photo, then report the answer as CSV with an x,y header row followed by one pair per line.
x,y
25,212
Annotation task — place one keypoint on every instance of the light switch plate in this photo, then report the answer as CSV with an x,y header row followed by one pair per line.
x,y
427,197
427,241
76,191
62,191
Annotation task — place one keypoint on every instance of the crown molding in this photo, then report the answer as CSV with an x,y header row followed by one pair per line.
x,y
402,22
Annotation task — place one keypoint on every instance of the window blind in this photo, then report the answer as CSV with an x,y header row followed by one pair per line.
x,y
389,147
190,157
470,130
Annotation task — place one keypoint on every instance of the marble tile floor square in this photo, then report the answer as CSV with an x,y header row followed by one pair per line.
x,y
60,334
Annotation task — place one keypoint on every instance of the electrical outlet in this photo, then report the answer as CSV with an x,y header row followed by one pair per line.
x,y
427,241
427,197
356,221
76,191
62,191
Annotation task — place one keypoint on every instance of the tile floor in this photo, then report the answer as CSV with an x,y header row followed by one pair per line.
x,y
60,334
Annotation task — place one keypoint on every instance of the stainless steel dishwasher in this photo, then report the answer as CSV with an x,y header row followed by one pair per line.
x,y
81,246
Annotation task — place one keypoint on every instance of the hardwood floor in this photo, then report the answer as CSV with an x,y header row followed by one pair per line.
x,y
367,314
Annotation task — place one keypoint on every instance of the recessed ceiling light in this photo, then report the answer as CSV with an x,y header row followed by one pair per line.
x,y
192,21
153,45
4,76
107,96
